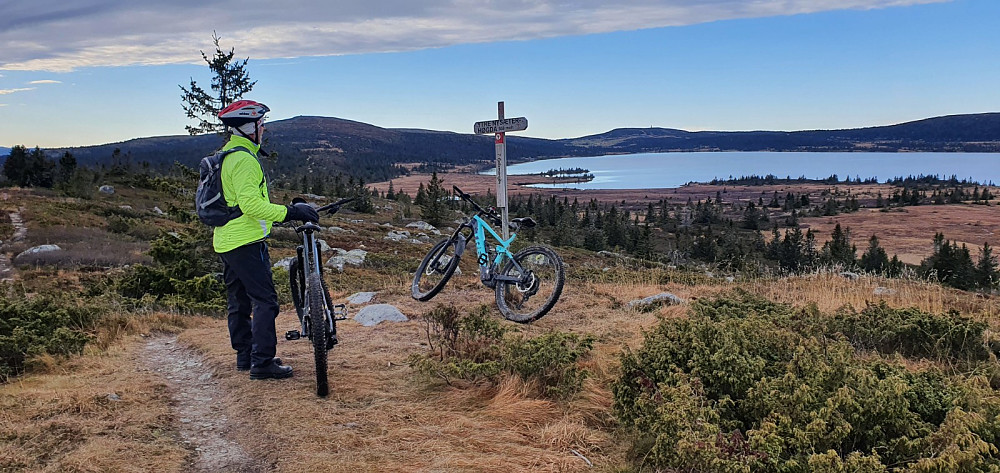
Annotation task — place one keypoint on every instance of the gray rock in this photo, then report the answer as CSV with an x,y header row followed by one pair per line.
x,y
313,197
114,397
158,211
323,246
106,189
339,230
730,279
397,235
424,227
651,303
38,249
374,314
850,275
342,257
125,207
284,263
205,377
884,291
361,297
336,263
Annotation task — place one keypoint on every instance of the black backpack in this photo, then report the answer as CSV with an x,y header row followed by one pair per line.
x,y
208,200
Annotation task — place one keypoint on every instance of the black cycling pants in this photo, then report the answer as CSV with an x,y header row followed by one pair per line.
x,y
247,271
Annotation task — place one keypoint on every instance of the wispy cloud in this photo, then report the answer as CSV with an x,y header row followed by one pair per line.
x,y
53,35
45,81
12,91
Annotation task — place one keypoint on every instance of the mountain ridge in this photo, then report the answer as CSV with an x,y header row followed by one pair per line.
x,y
331,144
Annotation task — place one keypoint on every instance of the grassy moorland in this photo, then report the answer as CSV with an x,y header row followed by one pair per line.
x,y
758,373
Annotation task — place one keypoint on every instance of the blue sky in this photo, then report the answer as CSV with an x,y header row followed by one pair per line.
x,y
109,70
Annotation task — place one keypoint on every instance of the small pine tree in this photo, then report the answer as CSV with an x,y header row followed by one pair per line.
x,y
229,83
987,275
434,208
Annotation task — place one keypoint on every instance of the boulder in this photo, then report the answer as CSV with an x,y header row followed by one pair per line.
x,y
850,275
361,297
106,189
284,263
37,250
339,230
651,303
323,246
157,211
884,291
424,227
374,314
342,257
397,235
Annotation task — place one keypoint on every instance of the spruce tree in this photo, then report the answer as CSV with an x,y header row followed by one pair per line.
x,y
987,275
230,82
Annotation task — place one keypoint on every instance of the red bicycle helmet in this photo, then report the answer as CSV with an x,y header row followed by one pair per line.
x,y
241,112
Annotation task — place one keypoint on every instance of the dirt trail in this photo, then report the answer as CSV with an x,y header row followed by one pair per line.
x,y
198,405
20,231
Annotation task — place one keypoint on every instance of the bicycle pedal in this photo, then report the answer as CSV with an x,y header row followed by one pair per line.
x,y
340,312
292,335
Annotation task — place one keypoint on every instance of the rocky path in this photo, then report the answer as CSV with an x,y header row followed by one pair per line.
x,y
197,404
20,231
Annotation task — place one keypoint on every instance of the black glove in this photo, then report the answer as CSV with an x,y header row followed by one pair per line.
x,y
302,212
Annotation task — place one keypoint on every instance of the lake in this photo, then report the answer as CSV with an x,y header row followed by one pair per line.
x,y
659,170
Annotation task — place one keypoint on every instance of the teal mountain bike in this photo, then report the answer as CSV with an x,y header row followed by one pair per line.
x,y
527,283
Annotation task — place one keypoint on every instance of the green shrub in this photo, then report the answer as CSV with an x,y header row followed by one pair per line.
x,y
745,384
914,333
42,324
181,277
479,348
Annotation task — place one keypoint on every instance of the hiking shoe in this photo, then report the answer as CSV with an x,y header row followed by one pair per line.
x,y
270,371
244,364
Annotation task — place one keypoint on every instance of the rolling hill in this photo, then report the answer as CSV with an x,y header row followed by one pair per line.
x,y
329,144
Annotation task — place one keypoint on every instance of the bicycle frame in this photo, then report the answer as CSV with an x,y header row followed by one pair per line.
x,y
488,269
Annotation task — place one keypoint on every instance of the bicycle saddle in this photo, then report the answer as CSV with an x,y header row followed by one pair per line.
x,y
525,222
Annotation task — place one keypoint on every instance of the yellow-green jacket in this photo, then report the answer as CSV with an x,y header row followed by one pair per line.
x,y
243,184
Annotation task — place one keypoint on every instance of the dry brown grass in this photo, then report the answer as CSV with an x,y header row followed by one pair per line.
x,y
63,420
909,232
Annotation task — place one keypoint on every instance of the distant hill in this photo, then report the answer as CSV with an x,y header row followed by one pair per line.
x,y
328,144
968,133
4,151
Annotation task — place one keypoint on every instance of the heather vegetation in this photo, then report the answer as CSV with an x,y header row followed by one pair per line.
x,y
745,384
478,348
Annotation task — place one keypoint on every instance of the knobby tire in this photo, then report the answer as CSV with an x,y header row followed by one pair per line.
x,y
443,247
508,294
317,327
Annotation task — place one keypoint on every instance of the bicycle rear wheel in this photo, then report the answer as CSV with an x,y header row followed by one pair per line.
x,y
317,330
542,283
436,269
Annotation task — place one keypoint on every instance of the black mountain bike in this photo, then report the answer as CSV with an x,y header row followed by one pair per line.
x,y
318,315
527,283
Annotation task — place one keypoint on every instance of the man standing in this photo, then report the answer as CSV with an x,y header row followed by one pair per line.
x,y
240,243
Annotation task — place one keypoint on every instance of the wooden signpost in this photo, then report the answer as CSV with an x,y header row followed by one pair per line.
x,y
499,128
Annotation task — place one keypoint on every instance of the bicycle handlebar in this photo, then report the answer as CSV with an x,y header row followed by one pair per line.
x,y
331,208
334,207
468,198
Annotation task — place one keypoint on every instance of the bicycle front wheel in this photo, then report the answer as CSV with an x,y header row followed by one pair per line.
x,y
540,282
436,269
317,330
